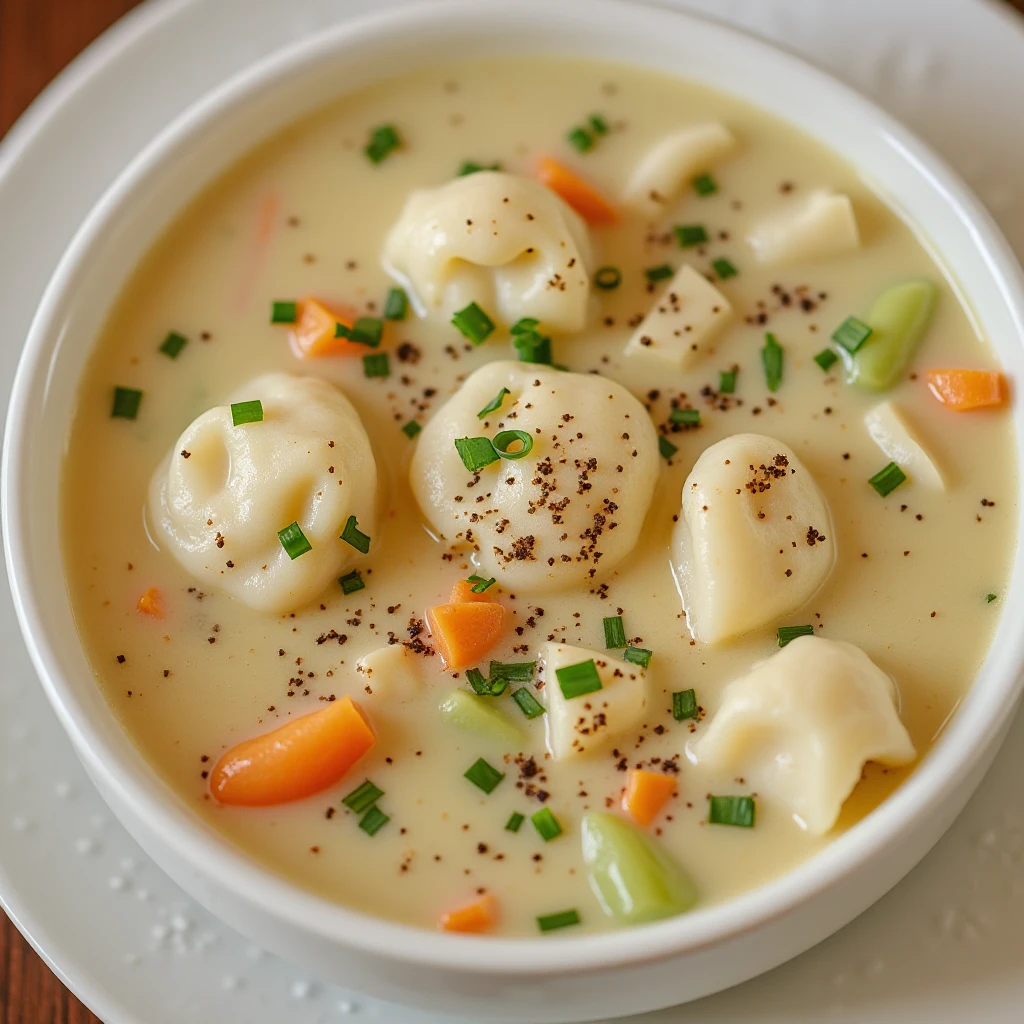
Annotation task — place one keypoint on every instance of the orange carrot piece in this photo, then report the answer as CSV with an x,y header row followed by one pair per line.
x,y
646,793
462,592
152,603
478,916
312,335
296,760
579,194
961,390
465,632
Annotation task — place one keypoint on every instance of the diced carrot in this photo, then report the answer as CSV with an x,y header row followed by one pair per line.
x,y
152,603
463,592
646,793
296,760
312,335
579,194
477,916
961,390
465,632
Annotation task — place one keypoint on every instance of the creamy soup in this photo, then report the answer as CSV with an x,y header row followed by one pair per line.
x,y
740,378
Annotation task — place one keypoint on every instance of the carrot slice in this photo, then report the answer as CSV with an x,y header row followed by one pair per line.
x,y
312,335
961,390
152,603
579,194
465,632
463,592
646,793
477,916
295,760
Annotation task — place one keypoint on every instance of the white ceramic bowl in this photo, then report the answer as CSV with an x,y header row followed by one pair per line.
x,y
542,979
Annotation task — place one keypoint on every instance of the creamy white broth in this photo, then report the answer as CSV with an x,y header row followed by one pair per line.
x,y
909,586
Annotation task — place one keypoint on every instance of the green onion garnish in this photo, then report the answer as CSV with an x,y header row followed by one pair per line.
x,y
363,797
471,167
480,584
989,598
351,582
727,381
581,139
563,919
476,452
533,347
787,633
731,810
284,312
483,776
598,124
376,365
546,824
354,536
367,330
607,278
373,820
498,686
704,185
494,404
666,447
246,412
887,480
659,273
771,360
524,325
479,684
851,334
126,403
473,323
515,822
383,140
396,305
825,358
684,705
690,234
689,417
506,438
293,540
638,655
173,344
516,671
411,429
576,680
614,632
528,704
724,268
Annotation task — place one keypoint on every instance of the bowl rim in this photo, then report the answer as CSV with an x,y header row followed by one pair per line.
x,y
201,846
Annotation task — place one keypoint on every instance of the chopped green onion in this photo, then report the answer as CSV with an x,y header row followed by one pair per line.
x,y
376,365
524,325
785,634
989,598
354,536
293,540
284,312
727,382
363,797
480,584
515,671
607,278
383,141
411,429
396,305
851,334
533,347
528,704
885,481
476,452
479,684
506,438
659,273
666,447
546,824
367,330
731,810
689,417
173,344
689,235
771,360
724,268
473,323
598,124
563,919
126,403
638,655
483,776
471,167
515,822
704,185
246,412
825,358
581,139
498,686
373,820
576,680
614,632
684,705
351,582
494,404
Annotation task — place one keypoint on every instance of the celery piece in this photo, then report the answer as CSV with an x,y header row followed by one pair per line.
x,y
631,877
898,319
478,714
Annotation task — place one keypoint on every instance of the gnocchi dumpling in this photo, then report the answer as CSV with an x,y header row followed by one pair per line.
x,y
219,499
570,509
800,726
500,240
896,438
815,228
577,725
754,540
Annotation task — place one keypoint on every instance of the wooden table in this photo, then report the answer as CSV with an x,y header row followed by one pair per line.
x,y
37,38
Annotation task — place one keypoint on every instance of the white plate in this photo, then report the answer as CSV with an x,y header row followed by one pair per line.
x,y
943,947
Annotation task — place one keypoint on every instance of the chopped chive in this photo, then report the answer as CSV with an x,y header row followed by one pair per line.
x,y
477,682
367,330
533,347
476,452
825,358
731,810
659,273
546,824
483,776
576,680
126,403
473,323
396,305
173,344
638,655
607,278
684,705
666,447
284,312
724,268
376,365
363,797
851,334
989,598
688,235
354,536
480,584
614,632
498,686
351,582
494,404
598,124
383,141
524,325
785,634
563,919
293,540
373,820
885,481
515,822
581,140
515,671
688,417
411,429
528,704
246,412
727,382
506,438
771,360
471,167
704,185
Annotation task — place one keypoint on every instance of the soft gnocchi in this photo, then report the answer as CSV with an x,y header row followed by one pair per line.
x,y
821,226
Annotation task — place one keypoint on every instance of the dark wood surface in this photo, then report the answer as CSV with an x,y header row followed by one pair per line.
x,y
37,39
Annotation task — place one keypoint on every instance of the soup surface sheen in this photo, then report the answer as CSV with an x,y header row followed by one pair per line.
x,y
308,214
